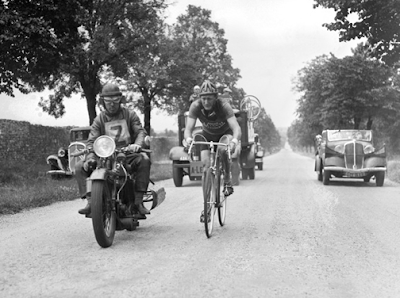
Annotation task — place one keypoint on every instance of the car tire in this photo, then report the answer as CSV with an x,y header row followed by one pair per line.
x,y
320,175
245,173
252,173
260,166
177,174
380,178
326,177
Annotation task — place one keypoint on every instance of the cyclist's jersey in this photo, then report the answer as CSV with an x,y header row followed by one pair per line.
x,y
215,121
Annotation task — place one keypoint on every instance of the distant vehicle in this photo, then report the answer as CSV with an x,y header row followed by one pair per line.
x,y
259,155
63,164
349,154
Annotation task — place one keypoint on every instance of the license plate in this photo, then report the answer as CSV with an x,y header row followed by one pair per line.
x,y
355,175
196,169
258,159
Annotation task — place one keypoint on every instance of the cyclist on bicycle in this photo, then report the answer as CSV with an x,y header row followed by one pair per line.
x,y
219,125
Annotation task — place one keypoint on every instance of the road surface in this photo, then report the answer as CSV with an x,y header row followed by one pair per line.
x,y
286,235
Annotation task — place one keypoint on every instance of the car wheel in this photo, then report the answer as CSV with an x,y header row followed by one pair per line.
x,y
177,174
326,177
260,166
380,178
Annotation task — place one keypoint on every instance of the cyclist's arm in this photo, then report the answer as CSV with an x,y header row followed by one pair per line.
x,y
234,125
190,123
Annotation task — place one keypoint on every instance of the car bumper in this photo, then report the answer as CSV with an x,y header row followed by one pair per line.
x,y
354,172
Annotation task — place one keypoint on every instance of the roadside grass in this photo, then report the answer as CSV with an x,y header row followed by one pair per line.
x,y
26,186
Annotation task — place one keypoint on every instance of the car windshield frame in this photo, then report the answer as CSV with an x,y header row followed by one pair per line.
x,y
348,135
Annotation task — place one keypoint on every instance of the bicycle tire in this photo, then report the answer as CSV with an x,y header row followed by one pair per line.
x,y
221,205
209,201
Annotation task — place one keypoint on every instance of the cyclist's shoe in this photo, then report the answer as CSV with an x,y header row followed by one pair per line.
x,y
202,216
228,189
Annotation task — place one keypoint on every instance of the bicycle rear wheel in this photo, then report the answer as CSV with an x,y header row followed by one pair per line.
x,y
209,195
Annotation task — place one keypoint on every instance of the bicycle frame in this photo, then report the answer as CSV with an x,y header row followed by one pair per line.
x,y
211,185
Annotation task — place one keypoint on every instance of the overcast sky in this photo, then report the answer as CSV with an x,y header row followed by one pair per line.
x,y
269,41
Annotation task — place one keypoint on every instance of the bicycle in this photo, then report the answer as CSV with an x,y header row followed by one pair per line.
x,y
211,184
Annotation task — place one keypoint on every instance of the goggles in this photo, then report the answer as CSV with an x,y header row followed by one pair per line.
x,y
108,100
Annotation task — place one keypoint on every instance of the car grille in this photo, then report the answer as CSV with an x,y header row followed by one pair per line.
x,y
354,155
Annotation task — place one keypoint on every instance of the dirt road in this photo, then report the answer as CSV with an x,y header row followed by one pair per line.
x,y
286,235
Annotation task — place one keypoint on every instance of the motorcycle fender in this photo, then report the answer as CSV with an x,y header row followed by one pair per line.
x,y
98,174
178,153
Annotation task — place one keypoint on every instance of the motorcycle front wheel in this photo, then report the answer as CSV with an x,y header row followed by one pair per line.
x,y
103,217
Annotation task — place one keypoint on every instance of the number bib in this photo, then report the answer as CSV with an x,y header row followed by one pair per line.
x,y
118,130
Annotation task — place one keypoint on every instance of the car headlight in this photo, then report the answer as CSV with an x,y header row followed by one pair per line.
x,y
368,149
104,146
339,148
61,152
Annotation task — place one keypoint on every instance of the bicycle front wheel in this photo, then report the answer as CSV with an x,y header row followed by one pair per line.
x,y
221,199
209,195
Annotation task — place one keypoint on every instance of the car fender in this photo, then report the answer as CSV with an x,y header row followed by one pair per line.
x,y
247,157
56,159
178,153
318,163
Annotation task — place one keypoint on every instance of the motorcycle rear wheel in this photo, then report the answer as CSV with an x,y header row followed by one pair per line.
x,y
103,217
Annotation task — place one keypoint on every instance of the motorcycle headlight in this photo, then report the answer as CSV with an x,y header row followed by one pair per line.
x,y
104,146
61,152
339,148
368,149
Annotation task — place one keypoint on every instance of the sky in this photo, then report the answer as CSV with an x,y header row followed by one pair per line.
x,y
269,41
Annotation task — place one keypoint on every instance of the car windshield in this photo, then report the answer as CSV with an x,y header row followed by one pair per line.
x,y
80,135
339,135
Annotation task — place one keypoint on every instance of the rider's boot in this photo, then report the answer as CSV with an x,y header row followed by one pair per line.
x,y
87,209
228,188
139,203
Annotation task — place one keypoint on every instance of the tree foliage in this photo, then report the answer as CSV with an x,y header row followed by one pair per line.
x,y
101,33
198,52
376,20
268,134
354,92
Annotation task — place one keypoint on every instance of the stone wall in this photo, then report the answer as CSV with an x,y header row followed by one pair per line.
x,y
20,140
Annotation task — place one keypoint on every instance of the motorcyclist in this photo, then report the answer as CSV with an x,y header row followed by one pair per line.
x,y
125,127
195,95
219,125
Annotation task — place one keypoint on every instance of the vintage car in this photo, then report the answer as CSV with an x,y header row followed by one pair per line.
x,y
63,164
349,154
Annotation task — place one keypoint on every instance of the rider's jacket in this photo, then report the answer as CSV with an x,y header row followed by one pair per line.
x,y
125,128
214,121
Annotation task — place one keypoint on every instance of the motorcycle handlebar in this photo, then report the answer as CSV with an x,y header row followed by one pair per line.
x,y
125,149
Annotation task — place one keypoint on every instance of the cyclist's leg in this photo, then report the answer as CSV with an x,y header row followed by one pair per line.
x,y
228,189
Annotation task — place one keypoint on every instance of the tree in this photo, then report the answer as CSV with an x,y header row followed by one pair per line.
x,y
377,20
343,93
267,132
198,52
102,33
36,38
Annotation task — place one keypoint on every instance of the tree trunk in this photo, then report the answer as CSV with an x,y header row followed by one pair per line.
x,y
147,111
369,123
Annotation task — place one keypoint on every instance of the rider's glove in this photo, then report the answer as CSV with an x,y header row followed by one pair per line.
x,y
187,142
89,165
233,144
134,148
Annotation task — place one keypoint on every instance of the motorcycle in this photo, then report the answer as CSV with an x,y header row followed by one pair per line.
x,y
111,186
